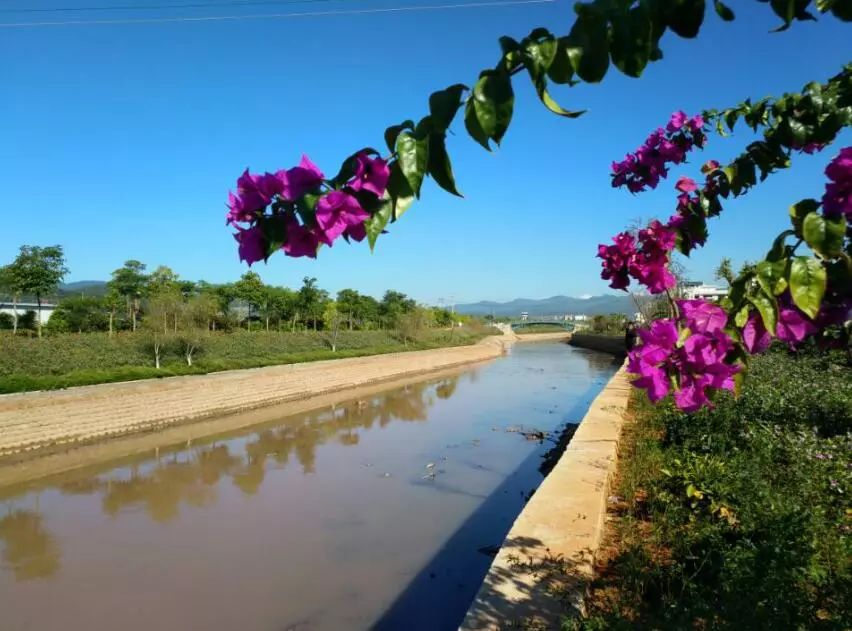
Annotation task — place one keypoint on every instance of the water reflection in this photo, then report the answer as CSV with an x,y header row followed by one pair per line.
x,y
28,548
191,476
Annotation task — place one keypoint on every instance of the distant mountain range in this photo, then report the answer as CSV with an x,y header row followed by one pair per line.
x,y
86,287
555,305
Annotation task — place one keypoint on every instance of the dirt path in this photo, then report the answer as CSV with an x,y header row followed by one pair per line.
x,y
45,421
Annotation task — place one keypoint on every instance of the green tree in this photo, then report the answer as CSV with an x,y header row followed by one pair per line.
x,y
9,287
725,271
348,304
311,301
164,285
368,309
38,271
129,281
280,305
112,302
80,314
394,305
332,320
201,310
162,279
251,290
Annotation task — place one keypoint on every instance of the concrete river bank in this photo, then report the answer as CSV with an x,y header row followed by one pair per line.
x,y
380,512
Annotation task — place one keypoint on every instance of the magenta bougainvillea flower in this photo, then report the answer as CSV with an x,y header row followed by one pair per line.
x,y
793,326
689,370
650,264
651,359
686,185
252,244
616,258
702,316
254,192
299,180
301,241
647,263
371,174
645,167
357,232
837,200
756,338
336,212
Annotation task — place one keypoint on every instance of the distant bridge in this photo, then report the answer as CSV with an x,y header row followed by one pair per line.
x,y
520,324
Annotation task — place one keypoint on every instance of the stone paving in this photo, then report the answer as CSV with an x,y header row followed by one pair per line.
x,y
35,420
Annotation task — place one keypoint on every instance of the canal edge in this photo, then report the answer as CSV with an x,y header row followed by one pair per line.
x,y
548,555
38,424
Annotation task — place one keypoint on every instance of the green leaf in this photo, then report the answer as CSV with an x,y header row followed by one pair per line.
x,y
685,17
392,132
767,308
587,45
440,167
631,40
772,276
489,108
779,250
375,225
274,233
842,9
789,10
509,45
823,235
347,169
807,284
731,117
539,50
723,11
742,317
799,211
399,191
549,103
412,156
444,104
561,71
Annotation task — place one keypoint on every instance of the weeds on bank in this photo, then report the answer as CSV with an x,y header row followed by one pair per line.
x,y
739,517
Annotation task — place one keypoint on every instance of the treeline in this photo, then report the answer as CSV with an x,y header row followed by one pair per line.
x,y
161,301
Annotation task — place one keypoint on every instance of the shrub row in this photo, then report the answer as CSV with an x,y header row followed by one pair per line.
x,y
738,517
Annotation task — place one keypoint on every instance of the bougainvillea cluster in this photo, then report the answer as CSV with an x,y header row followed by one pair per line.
x,y
687,356
837,200
297,209
645,167
644,257
699,349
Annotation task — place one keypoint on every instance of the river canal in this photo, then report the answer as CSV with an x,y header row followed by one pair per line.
x,y
376,513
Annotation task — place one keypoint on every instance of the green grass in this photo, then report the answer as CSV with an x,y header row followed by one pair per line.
x,y
738,517
63,361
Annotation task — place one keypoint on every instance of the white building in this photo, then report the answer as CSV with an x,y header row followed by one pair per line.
x,y
695,291
21,309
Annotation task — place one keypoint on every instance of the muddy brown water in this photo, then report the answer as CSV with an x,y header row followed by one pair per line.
x,y
376,513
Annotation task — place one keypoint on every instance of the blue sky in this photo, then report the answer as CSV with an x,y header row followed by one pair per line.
x,y
122,141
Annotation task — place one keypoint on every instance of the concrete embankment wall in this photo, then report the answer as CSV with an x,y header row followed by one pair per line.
x,y
48,420
603,343
547,558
